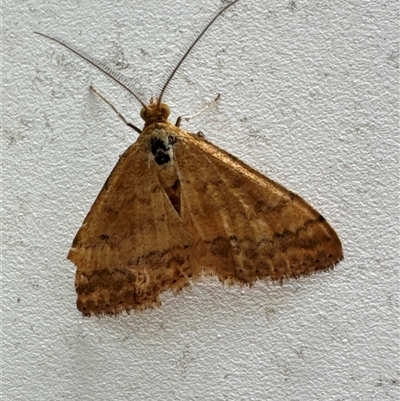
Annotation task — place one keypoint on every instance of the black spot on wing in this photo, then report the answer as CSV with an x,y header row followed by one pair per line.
x,y
157,145
160,150
161,158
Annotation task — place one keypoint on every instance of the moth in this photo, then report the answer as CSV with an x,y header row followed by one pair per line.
x,y
176,207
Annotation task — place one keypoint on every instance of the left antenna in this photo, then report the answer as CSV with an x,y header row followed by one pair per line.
x,y
117,77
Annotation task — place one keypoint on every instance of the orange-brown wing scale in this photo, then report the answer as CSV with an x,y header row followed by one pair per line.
x,y
132,245
245,226
153,228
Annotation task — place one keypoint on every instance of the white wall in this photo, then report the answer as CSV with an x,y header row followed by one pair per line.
x,y
309,97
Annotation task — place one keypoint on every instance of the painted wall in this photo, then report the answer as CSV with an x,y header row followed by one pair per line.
x,y
309,96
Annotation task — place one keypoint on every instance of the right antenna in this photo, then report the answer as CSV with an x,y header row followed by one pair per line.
x,y
190,49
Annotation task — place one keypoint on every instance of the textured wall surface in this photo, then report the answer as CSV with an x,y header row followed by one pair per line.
x,y
308,96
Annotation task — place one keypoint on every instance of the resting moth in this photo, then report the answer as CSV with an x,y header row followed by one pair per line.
x,y
176,207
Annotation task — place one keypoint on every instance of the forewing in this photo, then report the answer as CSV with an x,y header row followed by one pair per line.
x,y
132,243
247,226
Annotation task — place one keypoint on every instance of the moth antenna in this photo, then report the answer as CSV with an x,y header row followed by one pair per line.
x,y
116,76
190,49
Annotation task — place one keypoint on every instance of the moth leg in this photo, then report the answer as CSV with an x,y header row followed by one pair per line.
x,y
207,106
115,110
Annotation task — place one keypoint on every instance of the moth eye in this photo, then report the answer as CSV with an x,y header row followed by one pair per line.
x,y
164,110
171,139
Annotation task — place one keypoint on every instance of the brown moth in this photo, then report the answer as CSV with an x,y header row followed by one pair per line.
x,y
176,207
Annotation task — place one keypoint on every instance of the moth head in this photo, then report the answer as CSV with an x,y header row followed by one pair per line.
x,y
155,112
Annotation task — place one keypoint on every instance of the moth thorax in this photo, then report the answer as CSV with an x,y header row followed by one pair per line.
x,y
154,112
161,146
